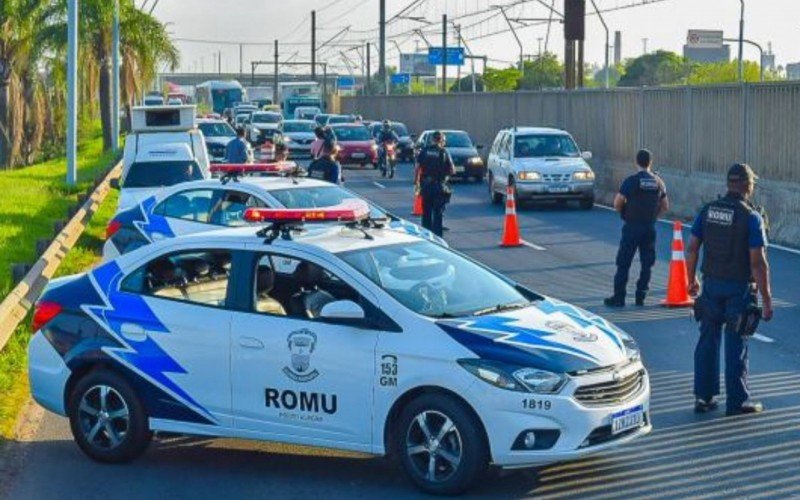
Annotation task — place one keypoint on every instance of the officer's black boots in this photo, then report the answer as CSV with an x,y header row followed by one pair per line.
x,y
747,407
614,301
640,296
703,406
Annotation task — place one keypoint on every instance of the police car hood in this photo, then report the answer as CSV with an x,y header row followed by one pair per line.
x,y
551,164
549,335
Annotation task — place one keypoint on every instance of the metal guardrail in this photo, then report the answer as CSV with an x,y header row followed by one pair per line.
x,y
16,305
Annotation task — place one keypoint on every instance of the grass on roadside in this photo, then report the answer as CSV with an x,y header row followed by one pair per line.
x,y
42,198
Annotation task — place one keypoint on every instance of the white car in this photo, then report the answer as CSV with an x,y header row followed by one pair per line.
x,y
217,134
306,112
262,125
303,337
540,164
164,148
211,204
298,135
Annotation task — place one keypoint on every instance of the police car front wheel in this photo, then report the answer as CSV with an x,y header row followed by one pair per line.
x,y
441,444
107,419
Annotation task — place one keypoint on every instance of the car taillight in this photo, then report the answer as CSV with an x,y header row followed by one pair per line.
x,y
44,313
112,228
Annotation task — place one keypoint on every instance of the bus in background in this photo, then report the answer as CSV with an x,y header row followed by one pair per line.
x,y
219,95
299,94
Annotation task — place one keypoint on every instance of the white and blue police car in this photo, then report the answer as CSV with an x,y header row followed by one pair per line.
x,y
205,205
345,336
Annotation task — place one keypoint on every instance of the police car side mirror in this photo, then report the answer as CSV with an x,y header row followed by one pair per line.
x,y
586,155
114,183
345,311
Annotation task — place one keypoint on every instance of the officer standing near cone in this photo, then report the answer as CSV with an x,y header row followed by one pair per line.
x,y
641,199
435,168
733,237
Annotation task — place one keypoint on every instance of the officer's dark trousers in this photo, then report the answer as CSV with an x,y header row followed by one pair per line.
x,y
432,213
722,302
641,237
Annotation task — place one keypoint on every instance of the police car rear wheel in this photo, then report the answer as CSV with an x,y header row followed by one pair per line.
x,y
107,420
441,444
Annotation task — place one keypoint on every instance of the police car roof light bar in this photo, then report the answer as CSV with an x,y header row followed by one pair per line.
x,y
350,210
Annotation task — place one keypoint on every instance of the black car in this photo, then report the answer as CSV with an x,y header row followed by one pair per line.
x,y
405,150
462,149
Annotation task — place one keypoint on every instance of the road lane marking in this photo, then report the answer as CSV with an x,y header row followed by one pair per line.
x,y
764,338
379,184
532,245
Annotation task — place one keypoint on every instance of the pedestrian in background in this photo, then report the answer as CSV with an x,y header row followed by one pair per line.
x,y
316,145
326,167
735,269
237,151
435,166
642,197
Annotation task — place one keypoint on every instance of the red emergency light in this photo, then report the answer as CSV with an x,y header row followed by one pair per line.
x,y
350,210
253,168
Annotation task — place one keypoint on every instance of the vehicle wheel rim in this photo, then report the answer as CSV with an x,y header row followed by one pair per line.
x,y
104,417
433,446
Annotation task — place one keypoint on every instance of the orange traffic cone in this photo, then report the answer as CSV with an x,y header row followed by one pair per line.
x,y
511,227
417,210
678,287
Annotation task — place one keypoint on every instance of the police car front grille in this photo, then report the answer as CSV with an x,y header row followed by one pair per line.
x,y
556,177
612,392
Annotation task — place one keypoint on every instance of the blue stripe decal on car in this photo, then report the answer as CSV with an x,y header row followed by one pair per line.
x,y
581,317
152,223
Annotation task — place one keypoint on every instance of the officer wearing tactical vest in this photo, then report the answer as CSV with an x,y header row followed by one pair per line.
x,y
733,237
641,199
435,166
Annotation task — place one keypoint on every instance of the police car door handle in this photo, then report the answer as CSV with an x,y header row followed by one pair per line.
x,y
132,331
250,343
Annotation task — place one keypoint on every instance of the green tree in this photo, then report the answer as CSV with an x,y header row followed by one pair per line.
x,y
544,72
725,72
501,80
658,68
465,84
614,75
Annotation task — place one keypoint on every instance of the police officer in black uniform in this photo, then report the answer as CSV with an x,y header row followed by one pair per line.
x,y
435,168
641,199
733,237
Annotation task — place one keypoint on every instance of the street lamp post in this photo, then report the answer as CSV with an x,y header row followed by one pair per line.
x,y
741,42
72,91
605,27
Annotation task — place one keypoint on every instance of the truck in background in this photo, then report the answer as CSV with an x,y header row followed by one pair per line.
x,y
260,96
293,95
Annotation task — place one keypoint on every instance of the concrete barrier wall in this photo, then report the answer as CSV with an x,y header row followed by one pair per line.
x,y
694,132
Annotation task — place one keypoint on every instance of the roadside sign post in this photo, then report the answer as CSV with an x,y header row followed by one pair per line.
x,y
402,79
455,56
72,91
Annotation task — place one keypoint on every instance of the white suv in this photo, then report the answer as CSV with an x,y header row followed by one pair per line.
x,y
540,164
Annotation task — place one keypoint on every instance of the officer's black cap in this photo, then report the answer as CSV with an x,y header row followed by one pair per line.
x,y
741,172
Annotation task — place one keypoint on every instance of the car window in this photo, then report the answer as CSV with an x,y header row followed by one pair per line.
x,y
298,126
217,130
496,144
187,205
351,134
504,149
230,207
266,118
287,286
400,129
319,197
457,140
199,277
161,173
545,145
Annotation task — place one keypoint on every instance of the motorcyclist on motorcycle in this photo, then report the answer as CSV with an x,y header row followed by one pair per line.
x,y
387,140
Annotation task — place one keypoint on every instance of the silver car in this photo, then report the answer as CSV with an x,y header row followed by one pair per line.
x,y
540,164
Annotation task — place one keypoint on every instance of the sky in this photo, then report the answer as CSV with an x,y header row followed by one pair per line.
x,y
664,23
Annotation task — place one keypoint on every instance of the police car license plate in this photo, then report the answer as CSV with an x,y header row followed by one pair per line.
x,y
359,156
558,189
627,419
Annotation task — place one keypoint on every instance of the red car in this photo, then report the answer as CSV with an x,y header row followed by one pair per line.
x,y
356,145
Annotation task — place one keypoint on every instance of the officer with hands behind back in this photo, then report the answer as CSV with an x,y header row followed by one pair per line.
x,y
435,166
641,199
733,237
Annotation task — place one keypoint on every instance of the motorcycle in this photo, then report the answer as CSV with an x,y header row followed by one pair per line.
x,y
388,159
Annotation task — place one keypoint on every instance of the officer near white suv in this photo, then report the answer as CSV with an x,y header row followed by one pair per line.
x,y
733,236
641,199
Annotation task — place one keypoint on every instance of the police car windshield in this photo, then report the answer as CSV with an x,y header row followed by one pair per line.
x,y
319,197
266,118
351,133
546,145
161,173
299,126
434,281
217,130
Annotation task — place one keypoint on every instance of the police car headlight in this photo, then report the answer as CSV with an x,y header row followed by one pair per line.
x,y
583,176
631,347
507,377
529,176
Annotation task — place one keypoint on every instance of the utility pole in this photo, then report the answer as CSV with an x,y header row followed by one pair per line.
x,y
644,45
741,43
241,60
458,69
444,53
115,100
219,62
275,79
608,34
369,70
382,45
72,91
313,44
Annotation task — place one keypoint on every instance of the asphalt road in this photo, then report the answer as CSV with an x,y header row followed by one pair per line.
x,y
571,258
